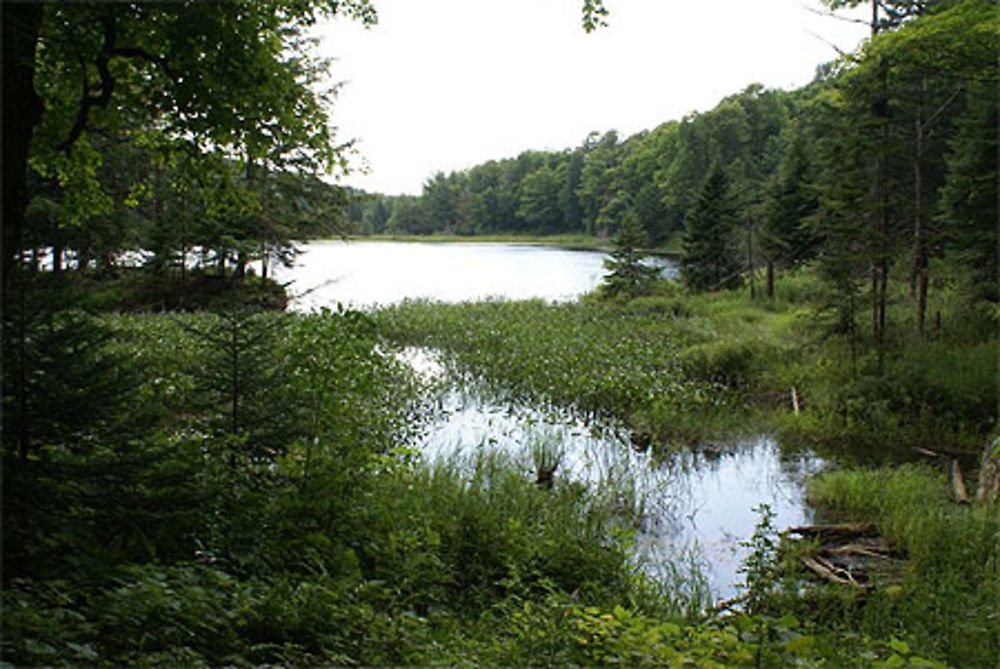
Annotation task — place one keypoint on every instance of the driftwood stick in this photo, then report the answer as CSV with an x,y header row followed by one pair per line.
x,y
857,549
988,489
958,483
795,401
725,605
831,573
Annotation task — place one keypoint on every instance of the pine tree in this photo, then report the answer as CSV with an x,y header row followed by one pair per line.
x,y
789,201
628,276
969,197
710,259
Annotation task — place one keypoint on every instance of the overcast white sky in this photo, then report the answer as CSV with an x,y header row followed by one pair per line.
x,y
447,84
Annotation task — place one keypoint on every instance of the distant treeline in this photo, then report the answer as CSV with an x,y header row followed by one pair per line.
x,y
887,160
589,188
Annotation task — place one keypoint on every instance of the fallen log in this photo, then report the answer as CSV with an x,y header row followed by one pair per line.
x,y
835,531
726,605
832,573
881,551
944,452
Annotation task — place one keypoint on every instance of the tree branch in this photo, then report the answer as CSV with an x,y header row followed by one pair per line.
x,y
840,52
831,15
139,52
106,87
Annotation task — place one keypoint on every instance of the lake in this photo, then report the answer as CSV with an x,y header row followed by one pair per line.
x,y
694,503
363,273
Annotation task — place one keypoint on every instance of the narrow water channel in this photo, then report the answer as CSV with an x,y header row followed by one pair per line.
x,y
694,506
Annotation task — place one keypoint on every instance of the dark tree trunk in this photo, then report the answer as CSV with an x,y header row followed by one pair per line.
x,y
22,111
57,257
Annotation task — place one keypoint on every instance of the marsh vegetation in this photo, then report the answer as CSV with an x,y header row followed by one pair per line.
x,y
196,475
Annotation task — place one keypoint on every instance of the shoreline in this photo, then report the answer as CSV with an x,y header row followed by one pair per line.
x,y
570,242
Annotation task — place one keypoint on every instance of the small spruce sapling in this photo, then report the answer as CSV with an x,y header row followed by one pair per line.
x,y
628,276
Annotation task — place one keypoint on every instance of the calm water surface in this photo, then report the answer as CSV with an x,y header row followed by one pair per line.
x,y
693,503
363,274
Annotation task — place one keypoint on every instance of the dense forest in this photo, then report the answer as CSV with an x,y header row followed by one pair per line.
x,y
195,476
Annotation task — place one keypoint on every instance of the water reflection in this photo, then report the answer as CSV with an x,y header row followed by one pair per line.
x,y
693,503
686,503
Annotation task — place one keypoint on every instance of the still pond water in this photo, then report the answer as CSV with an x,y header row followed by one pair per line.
x,y
363,274
696,503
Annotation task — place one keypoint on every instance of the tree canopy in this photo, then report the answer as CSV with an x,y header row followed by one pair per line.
x,y
230,79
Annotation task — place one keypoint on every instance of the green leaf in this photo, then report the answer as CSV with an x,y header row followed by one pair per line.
x,y
899,646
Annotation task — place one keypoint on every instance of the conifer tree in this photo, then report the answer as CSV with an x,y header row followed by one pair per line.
x,y
710,261
628,276
970,194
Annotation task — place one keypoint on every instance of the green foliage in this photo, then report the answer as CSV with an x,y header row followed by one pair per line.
x,y
789,202
969,198
628,277
760,565
237,488
709,259
947,601
926,393
539,200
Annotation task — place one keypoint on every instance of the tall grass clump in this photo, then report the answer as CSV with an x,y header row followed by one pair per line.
x,y
947,603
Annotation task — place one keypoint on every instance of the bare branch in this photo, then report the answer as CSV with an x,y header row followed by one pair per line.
x,y
831,15
840,52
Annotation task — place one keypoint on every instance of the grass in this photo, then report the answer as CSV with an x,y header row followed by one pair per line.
x,y
679,367
669,367
947,603
153,536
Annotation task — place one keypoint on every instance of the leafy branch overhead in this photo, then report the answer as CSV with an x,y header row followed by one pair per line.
x,y
234,79
594,15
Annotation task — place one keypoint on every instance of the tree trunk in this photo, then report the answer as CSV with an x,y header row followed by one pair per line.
x,y
988,489
82,260
919,273
769,280
22,111
241,266
57,258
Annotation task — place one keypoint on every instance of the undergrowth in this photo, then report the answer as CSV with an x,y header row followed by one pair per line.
x,y
947,602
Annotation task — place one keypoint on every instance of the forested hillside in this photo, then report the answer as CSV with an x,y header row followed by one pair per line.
x,y
881,166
